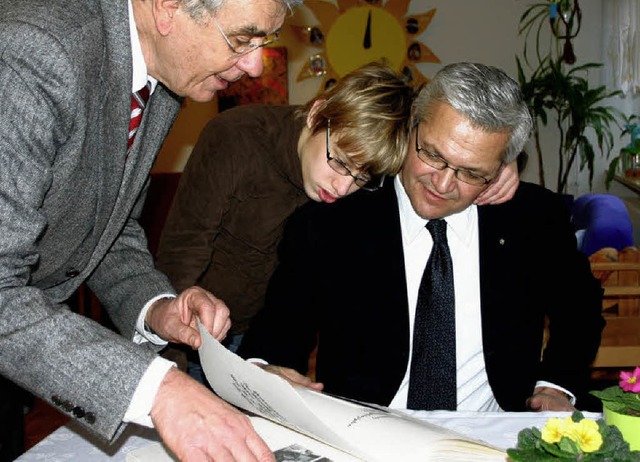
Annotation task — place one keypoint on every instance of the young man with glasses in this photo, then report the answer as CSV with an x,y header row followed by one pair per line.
x,y
254,165
349,275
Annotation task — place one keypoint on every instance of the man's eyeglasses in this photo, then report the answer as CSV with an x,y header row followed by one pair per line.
x,y
363,180
434,160
242,47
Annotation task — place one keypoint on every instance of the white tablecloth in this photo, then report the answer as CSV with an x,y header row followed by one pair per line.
x,y
71,443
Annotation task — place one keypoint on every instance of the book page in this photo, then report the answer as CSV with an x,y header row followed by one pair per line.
x,y
370,432
388,433
249,387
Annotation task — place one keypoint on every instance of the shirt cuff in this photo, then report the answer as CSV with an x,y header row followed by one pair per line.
x,y
571,396
139,409
142,334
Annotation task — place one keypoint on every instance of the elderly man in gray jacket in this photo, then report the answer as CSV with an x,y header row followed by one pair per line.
x,y
71,191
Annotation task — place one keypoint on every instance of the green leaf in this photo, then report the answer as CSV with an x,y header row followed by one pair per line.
x,y
618,400
529,455
531,447
566,447
556,92
577,416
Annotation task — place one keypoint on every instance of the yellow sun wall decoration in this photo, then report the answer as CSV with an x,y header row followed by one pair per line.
x,y
353,33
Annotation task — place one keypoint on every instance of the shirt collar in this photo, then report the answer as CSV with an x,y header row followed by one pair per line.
x,y
140,76
412,224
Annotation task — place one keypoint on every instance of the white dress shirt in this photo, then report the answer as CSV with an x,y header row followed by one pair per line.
x,y
474,392
140,76
145,393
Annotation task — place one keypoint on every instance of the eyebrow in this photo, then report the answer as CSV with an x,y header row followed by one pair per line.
x,y
344,157
250,30
358,170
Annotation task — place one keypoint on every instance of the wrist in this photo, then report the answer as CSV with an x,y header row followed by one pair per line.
x,y
152,311
551,391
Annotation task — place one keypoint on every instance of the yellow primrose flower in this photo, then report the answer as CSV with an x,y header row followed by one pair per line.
x,y
556,428
573,438
587,434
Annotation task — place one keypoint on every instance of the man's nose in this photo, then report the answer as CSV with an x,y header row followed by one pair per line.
x,y
343,184
445,179
251,63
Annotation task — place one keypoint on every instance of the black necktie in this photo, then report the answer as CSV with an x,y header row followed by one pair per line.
x,y
432,380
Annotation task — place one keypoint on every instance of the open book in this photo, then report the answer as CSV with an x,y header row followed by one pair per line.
x,y
300,424
364,431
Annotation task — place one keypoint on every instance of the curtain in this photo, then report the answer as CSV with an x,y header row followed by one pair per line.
x,y
622,45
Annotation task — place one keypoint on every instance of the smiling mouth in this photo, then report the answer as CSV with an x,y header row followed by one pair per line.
x,y
221,81
432,194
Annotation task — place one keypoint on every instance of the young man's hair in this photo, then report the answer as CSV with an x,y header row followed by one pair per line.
x,y
370,113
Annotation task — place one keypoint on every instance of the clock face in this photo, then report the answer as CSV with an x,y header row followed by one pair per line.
x,y
353,33
362,35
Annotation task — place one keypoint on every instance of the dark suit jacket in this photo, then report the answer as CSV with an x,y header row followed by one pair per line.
x,y
341,279
70,199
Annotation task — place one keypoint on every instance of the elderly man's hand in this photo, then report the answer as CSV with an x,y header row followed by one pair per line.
x,y
549,399
197,425
174,319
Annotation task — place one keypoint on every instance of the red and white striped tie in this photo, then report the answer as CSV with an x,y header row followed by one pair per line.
x,y
138,102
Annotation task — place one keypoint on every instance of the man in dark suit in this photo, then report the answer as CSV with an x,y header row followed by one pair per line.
x,y
73,179
349,274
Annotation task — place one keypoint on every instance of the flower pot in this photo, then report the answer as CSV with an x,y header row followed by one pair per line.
x,y
628,425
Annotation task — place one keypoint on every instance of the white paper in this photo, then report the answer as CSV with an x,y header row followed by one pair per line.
x,y
370,432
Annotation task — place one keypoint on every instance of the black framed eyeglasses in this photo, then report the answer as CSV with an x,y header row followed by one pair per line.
x,y
240,47
434,160
363,180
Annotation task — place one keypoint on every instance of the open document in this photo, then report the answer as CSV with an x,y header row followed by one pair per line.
x,y
359,431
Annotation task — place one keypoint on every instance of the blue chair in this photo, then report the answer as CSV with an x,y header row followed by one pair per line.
x,y
601,220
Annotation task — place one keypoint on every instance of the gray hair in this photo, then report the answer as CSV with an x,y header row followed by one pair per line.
x,y
486,96
197,8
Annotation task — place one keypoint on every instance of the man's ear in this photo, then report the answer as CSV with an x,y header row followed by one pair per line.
x,y
311,117
164,14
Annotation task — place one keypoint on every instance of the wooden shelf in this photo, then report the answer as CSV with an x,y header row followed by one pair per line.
x,y
633,183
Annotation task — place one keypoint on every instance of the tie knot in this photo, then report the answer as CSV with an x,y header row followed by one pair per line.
x,y
438,230
142,95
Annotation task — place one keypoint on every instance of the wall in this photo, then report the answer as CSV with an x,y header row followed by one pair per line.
x,y
183,135
461,30
455,34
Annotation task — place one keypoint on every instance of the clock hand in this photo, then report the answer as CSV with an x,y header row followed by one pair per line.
x,y
367,33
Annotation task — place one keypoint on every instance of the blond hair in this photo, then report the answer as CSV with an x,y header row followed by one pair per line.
x,y
370,113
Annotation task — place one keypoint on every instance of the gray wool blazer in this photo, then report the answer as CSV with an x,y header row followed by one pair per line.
x,y
70,198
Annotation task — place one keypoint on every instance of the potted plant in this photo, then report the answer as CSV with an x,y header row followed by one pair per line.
x,y
572,438
554,90
621,406
629,158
